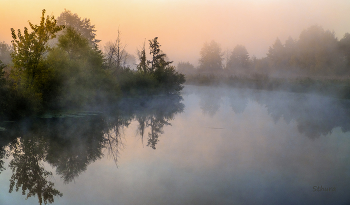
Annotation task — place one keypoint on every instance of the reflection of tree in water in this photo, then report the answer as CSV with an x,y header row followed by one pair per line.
x,y
155,114
74,144
71,143
238,101
28,173
210,99
156,125
112,135
2,156
314,115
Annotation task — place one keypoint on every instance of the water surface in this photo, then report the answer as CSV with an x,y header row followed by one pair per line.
x,y
212,146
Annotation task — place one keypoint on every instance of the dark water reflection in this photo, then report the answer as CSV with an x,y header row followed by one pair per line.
x,y
69,143
315,115
216,146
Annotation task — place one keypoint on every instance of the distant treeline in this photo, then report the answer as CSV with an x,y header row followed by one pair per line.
x,y
57,65
317,52
316,60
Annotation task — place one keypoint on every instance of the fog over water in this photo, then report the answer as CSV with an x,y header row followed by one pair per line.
x,y
175,102
216,146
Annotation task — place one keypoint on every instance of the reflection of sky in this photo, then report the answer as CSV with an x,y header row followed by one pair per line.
x,y
249,160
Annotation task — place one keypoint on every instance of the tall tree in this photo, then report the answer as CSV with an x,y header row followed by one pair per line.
x,y
239,59
142,67
158,57
115,54
276,54
211,57
167,78
83,26
317,51
29,50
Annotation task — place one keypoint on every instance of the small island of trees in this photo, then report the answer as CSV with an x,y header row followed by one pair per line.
x,y
57,65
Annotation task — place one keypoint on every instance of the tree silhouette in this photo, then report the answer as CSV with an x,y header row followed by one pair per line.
x,y
239,60
82,26
186,68
116,54
211,58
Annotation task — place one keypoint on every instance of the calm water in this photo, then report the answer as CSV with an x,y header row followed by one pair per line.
x,y
212,146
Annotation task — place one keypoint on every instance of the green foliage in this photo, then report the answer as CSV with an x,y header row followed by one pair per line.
x,y
82,26
167,79
29,70
72,74
142,67
158,61
80,78
170,81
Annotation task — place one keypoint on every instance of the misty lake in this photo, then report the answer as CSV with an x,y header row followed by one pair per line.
x,y
211,145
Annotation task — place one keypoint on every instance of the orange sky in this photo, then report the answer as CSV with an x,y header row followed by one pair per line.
x,y
184,25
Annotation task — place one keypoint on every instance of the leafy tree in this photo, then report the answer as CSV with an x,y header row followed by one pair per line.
x,y
169,80
317,51
83,26
276,54
239,59
211,57
29,49
158,57
81,77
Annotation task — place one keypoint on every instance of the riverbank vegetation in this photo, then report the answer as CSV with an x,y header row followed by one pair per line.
x,y
57,65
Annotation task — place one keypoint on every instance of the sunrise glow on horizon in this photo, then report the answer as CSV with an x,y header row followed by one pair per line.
x,y
184,26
